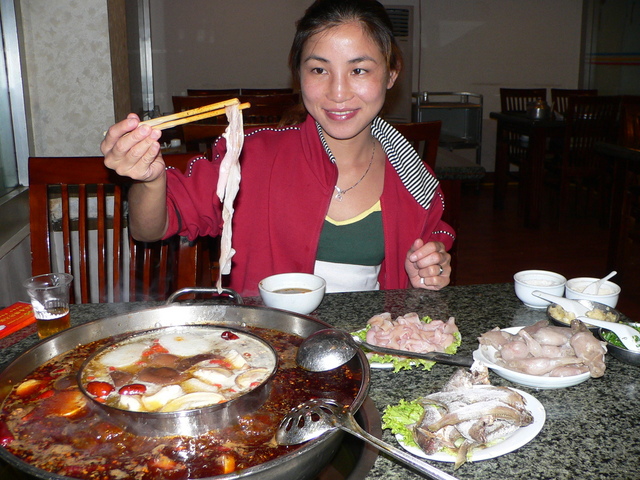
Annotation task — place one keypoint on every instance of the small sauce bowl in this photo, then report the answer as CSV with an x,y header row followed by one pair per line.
x,y
295,292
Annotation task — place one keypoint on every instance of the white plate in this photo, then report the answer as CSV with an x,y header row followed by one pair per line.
x,y
517,439
384,366
487,355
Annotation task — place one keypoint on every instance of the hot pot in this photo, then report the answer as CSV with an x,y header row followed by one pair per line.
x,y
303,463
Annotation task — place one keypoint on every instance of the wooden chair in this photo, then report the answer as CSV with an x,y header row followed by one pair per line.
x,y
517,99
560,97
589,120
425,135
78,222
199,137
237,91
233,92
285,100
265,91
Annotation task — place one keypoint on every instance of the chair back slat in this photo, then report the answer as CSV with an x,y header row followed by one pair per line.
x,y
119,224
83,240
66,232
560,97
101,240
517,99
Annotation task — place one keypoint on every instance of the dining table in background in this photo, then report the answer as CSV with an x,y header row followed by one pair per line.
x,y
532,169
591,429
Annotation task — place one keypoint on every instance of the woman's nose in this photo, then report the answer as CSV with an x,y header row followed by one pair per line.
x,y
339,90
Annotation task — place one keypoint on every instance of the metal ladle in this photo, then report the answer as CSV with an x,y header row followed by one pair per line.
x,y
330,348
311,419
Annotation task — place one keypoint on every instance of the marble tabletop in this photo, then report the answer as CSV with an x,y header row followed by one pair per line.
x,y
592,430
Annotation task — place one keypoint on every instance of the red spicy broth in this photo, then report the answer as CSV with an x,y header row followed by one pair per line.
x,y
47,422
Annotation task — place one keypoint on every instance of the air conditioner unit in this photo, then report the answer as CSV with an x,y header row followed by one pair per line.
x,y
404,15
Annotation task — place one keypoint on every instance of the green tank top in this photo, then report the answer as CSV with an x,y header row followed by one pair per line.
x,y
357,241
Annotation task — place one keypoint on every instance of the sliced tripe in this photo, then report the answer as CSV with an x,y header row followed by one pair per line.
x,y
228,186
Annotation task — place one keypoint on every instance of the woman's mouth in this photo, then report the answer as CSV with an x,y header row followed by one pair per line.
x,y
341,115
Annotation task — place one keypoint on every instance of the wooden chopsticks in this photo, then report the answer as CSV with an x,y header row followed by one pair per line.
x,y
193,115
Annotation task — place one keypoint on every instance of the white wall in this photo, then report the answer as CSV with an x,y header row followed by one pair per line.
x,y
482,45
476,46
68,71
221,44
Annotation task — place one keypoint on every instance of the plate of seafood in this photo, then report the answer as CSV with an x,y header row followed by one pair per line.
x,y
451,425
412,333
543,356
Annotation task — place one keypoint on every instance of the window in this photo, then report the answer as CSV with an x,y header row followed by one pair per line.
x,y
13,128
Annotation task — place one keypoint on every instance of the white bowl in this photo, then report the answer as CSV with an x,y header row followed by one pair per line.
x,y
295,292
528,281
609,291
486,354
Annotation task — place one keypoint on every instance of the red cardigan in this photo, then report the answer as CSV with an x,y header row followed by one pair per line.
x,y
285,191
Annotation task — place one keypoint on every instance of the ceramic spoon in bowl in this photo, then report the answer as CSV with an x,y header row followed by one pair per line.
x,y
594,288
579,308
624,332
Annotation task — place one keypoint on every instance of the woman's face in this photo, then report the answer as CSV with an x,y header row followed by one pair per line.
x,y
344,79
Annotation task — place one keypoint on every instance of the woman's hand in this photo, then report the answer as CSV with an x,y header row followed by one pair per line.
x,y
428,265
133,150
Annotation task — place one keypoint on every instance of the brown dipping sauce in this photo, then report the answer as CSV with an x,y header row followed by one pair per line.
x,y
47,422
292,290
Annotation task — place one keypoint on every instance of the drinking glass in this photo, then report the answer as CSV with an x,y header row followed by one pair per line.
x,y
49,295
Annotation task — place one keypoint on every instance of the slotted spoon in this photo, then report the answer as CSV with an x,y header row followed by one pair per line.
x,y
314,417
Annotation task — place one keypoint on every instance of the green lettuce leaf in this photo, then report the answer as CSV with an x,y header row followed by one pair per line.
x,y
399,418
400,363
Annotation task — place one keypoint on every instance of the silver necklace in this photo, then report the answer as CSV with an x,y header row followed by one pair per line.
x,y
340,193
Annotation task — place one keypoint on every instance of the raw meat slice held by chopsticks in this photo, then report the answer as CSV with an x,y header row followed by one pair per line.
x,y
228,186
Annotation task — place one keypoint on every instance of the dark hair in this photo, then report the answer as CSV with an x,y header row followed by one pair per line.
x,y
325,14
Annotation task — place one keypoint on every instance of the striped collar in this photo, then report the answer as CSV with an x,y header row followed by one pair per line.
x,y
416,178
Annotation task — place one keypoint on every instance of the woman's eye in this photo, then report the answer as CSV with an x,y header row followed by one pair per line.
x,y
317,70
359,71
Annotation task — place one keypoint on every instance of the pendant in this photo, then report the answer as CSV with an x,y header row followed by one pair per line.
x,y
338,196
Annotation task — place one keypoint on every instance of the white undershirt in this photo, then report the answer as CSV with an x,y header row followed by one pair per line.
x,y
342,277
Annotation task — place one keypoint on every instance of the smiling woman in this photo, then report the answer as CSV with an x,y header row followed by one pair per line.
x,y
340,165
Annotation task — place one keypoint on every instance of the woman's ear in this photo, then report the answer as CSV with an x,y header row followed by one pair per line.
x,y
393,75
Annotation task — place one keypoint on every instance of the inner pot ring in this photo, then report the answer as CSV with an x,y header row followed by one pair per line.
x,y
191,421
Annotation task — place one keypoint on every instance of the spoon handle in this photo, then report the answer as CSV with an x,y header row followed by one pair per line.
x,y
447,359
625,333
400,455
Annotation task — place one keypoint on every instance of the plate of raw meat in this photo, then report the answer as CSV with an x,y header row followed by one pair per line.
x,y
468,420
517,439
543,356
